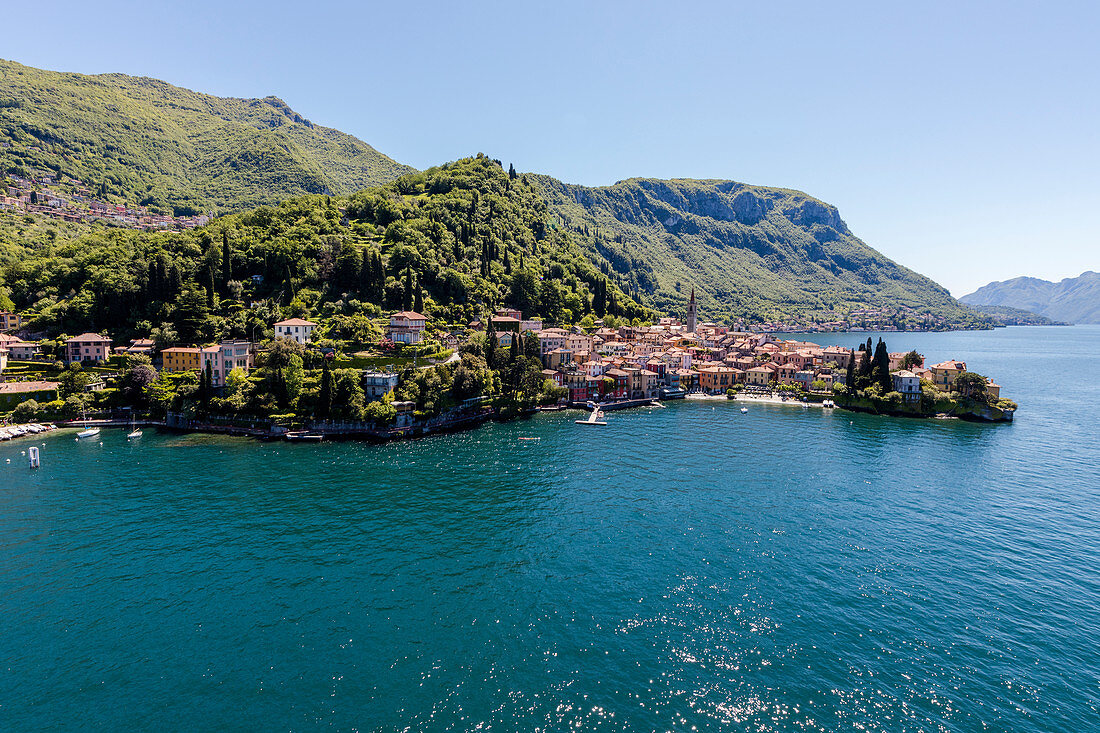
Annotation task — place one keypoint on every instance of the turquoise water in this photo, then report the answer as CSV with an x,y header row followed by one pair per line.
x,y
688,568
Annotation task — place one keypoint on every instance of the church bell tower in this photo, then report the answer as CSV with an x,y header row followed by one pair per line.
x,y
691,319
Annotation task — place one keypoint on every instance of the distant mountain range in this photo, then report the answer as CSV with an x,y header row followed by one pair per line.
x,y
752,252
1073,300
136,140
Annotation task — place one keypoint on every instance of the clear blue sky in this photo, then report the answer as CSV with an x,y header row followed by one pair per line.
x,y
961,139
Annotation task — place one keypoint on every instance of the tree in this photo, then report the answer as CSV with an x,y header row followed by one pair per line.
x,y
407,294
418,303
237,389
73,381
192,314
25,411
294,375
850,376
970,384
880,368
134,382
912,359
863,373
227,260
491,343
206,386
324,398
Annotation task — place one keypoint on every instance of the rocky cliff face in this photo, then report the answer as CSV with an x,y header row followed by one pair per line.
x,y
750,251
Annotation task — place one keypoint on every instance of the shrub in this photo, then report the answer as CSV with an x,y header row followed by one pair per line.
x,y
25,411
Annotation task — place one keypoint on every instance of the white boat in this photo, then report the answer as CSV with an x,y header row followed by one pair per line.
x,y
87,432
744,410
133,434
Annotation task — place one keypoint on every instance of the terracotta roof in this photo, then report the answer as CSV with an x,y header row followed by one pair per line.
x,y
295,322
412,316
21,387
88,337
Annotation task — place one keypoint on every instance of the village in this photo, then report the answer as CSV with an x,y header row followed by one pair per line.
x,y
69,199
611,367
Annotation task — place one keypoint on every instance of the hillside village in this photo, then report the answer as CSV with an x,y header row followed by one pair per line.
x,y
572,366
68,199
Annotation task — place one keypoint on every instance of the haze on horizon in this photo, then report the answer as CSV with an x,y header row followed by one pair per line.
x,y
960,141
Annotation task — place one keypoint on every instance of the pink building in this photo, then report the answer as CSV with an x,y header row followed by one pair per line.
x,y
87,347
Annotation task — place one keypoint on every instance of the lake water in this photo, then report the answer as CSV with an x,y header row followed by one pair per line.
x,y
687,568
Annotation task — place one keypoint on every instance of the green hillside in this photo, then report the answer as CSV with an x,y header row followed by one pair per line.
x,y
1008,316
749,251
142,141
450,241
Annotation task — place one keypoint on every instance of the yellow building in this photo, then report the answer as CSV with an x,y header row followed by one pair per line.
x,y
944,373
178,359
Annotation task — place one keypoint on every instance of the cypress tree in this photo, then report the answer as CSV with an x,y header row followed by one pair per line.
x,y
850,376
881,367
407,303
227,261
599,298
378,277
491,342
324,399
863,377
418,304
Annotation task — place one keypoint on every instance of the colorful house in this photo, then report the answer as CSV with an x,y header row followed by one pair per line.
x,y
407,327
179,359
944,373
87,347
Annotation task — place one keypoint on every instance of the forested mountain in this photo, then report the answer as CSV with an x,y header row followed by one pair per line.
x,y
1073,300
1007,316
134,140
749,251
450,241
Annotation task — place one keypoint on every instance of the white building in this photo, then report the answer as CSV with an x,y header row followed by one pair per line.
x,y
298,329
907,383
377,384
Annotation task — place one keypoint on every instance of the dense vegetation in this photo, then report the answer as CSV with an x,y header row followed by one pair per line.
x,y
1007,316
138,140
451,241
869,387
750,252
1073,300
